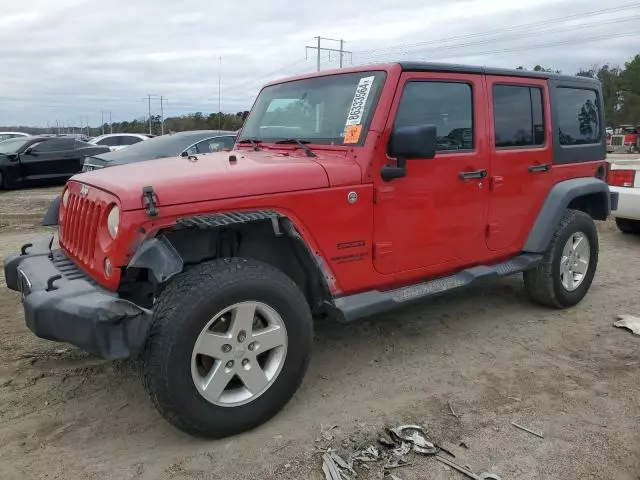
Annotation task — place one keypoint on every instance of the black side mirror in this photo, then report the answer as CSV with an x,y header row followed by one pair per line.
x,y
406,143
184,154
29,151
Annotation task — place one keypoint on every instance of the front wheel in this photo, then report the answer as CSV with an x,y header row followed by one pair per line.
x,y
569,264
229,345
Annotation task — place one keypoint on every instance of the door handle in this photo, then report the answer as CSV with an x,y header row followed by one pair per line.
x,y
472,174
545,167
68,155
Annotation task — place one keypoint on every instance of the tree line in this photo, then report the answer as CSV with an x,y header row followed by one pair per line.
x,y
620,89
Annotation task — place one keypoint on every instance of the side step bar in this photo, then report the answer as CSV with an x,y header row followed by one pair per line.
x,y
353,307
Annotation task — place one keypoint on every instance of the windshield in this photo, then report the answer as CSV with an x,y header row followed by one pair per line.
x,y
331,110
12,145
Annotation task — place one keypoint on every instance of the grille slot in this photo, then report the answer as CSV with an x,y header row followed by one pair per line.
x,y
78,233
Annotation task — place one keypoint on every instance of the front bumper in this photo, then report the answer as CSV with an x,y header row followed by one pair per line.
x,y
628,202
61,303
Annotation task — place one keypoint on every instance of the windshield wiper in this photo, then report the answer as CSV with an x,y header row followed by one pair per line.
x,y
301,144
254,143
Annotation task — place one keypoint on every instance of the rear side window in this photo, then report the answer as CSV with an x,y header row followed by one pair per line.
x,y
578,116
447,105
518,116
110,141
129,140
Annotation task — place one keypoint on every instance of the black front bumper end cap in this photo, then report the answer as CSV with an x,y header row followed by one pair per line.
x,y
75,311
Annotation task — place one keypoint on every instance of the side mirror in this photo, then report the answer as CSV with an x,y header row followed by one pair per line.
x,y
29,151
406,143
184,154
413,142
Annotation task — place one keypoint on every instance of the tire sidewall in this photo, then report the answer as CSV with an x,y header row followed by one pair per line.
x,y
212,417
584,224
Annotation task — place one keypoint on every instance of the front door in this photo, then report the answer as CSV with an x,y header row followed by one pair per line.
x,y
433,219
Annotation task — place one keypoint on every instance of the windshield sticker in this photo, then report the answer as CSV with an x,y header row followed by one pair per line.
x,y
359,101
352,134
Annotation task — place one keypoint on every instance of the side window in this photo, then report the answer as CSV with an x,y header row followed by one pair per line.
x,y
129,140
53,145
447,105
215,144
578,116
110,142
518,116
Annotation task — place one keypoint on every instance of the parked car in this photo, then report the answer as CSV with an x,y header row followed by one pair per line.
x,y
38,159
348,193
118,141
170,145
7,135
624,179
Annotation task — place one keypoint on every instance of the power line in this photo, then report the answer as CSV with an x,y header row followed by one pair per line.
x,y
320,49
508,29
505,38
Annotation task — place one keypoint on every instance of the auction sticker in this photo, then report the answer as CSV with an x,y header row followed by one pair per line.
x,y
359,101
352,134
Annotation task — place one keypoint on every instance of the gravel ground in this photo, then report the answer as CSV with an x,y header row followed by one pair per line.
x,y
487,351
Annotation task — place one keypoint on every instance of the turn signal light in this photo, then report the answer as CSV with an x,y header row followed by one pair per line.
x,y
621,178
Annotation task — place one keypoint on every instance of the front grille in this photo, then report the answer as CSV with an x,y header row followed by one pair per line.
x,y
617,140
80,226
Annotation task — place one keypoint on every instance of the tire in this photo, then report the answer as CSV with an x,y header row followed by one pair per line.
x,y
626,225
544,283
170,366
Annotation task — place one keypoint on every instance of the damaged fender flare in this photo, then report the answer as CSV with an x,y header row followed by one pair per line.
x,y
51,217
158,256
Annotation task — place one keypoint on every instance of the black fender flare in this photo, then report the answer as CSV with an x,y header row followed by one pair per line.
x,y
159,257
555,205
51,217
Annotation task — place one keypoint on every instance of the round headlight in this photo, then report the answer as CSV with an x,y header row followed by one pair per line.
x,y
113,219
65,198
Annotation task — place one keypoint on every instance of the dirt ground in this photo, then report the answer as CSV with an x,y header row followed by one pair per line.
x,y
488,352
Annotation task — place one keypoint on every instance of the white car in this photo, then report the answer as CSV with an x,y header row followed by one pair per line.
x,y
117,141
8,135
624,178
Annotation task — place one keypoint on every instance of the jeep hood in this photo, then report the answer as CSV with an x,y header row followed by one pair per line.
x,y
214,176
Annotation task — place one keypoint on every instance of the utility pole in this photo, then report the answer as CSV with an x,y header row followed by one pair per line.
x,y
320,49
110,123
219,93
58,127
149,97
162,100
102,120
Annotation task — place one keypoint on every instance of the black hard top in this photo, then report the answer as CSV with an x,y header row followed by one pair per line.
x,y
453,68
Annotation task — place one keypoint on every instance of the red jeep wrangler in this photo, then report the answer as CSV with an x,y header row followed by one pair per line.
x,y
348,193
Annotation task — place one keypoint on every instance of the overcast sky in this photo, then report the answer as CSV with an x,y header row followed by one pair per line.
x,y
67,59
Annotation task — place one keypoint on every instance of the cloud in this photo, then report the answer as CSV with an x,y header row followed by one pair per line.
x,y
71,59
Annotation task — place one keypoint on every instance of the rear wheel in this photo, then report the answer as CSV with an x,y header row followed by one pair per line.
x,y
229,345
626,225
565,274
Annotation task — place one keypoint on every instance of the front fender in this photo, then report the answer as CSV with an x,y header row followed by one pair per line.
x,y
558,199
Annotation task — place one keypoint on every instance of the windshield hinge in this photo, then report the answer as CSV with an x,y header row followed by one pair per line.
x,y
150,200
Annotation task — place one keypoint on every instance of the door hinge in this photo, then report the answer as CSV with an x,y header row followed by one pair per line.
x,y
382,193
382,249
493,229
496,182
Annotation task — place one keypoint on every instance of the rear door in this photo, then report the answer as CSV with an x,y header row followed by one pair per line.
x,y
521,157
433,218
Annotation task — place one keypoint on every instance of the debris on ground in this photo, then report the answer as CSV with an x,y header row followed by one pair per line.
x,y
467,471
327,433
416,437
629,322
452,411
527,430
